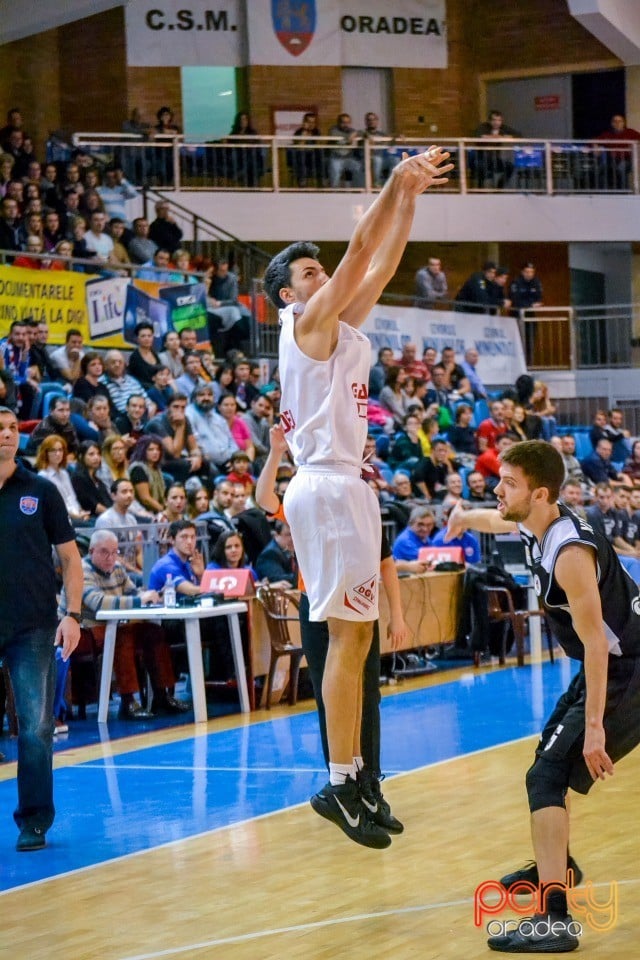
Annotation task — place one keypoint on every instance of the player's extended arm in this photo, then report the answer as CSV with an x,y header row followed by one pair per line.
x,y
575,572
266,496
484,521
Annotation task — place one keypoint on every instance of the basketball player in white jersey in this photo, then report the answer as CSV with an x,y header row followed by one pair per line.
x,y
334,516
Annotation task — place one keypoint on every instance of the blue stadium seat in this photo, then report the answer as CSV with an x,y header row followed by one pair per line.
x,y
480,411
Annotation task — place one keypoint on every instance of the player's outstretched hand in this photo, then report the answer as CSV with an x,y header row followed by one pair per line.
x,y
424,171
278,440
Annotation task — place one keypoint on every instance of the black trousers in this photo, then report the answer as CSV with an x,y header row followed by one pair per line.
x,y
315,643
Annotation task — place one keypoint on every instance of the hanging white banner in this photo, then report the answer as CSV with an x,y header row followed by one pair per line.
x,y
172,33
497,339
350,33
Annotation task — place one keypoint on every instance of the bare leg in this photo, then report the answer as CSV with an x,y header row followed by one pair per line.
x,y
349,644
550,836
357,745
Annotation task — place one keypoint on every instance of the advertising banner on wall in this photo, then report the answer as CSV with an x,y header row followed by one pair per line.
x,y
497,339
356,33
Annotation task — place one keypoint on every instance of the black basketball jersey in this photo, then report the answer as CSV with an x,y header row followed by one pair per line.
x,y
618,592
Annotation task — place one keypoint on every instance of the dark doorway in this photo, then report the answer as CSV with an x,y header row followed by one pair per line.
x,y
596,97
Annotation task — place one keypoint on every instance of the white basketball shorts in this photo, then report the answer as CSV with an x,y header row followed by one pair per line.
x,y
335,523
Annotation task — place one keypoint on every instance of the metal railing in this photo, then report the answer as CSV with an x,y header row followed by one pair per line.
x,y
279,163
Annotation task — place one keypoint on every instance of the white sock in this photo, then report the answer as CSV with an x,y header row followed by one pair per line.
x,y
338,773
358,764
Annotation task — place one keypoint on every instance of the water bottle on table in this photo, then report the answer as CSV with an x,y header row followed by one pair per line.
x,y
169,592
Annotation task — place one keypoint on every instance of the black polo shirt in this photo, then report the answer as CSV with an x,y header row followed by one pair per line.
x,y
33,518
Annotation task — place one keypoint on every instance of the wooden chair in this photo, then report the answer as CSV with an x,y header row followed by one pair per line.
x,y
275,604
501,608
7,702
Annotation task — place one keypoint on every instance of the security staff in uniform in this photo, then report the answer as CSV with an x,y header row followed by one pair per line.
x,y
593,608
33,519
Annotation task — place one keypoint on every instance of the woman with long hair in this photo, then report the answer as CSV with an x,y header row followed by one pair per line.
x,y
144,362
114,460
392,396
229,554
227,407
88,385
197,502
146,475
246,163
51,462
90,490
222,380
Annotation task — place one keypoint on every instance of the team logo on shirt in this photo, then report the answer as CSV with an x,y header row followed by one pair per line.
x,y
635,606
363,597
28,505
360,392
287,421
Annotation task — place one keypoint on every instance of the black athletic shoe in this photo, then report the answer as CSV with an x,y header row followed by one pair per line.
x,y
529,873
343,806
379,809
539,934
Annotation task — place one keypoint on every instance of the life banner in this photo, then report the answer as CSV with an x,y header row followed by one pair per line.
x,y
348,33
497,339
173,33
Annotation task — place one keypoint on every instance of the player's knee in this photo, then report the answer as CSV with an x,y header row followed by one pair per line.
x,y
546,784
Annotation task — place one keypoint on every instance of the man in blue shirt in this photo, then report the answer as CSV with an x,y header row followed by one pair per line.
x,y
416,535
467,541
183,562
469,365
597,467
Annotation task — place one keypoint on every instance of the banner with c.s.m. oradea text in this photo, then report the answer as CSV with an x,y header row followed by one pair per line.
x,y
195,33
348,33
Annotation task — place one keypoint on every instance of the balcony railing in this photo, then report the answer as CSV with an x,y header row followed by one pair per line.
x,y
277,164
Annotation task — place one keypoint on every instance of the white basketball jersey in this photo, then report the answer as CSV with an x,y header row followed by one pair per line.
x,y
323,410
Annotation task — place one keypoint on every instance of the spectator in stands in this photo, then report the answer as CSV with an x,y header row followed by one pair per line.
x,y
493,166
378,372
229,553
603,516
430,475
192,377
31,261
440,394
69,210
143,360
382,160
121,515
631,468
197,502
122,385
240,472
132,423
115,191
615,430
478,490
597,431
210,429
181,451
42,368
80,249
406,450
162,390
51,462
92,493
343,158
571,462
493,427
216,517
431,283
67,359
525,424
116,229
58,422
498,300
259,419
615,161
408,543
456,378
307,162
235,317
164,231
526,290
175,504
171,355
15,121
32,226
597,467
15,358
628,537
462,435
96,421
571,495
183,562
276,563
141,247
242,388
114,464
469,543
488,463
8,392
158,270
470,369
544,408
410,363
146,473
9,224
52,233
88,384
392,397
429,430
97,241
474,295
246,164
6,167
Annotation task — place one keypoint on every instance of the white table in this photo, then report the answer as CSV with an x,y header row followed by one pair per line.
x,y
191,617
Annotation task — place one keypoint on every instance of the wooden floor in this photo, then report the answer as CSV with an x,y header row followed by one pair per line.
x,y
289,885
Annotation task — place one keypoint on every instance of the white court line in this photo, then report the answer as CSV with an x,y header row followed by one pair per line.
x,y
319,925
121,767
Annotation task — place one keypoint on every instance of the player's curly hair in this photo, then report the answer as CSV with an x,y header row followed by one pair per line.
x,y
277,274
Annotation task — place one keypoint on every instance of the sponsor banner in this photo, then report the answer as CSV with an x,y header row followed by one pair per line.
x,y
356,33
56,297
172,33
140,306
188,307
497,339
105,306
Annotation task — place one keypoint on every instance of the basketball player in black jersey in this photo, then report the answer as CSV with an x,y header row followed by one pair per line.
x,y
593,608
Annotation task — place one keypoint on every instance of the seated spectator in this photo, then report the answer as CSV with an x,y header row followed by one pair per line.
x,y
615,431
378,372
117,230
51,462
431,284
615,160
108,587
430,475
406,449
462,435
234,317
120,515
571,495
192,377
182,453
571,462
8,392
146,474
240,472
80,249
164,231
157,270
216,516
67,359
392,396
114,465
97,240
276,563
411,365
184,271
488,463
197,502
597,431
171,355
52,233
229,554
493,427
245,164
143,360
227,407
210,429
58,422
259,419
628,542
242,388
15,359
40,367
115,191
122,385
542,406
455,377
162,391
470,368
141,247
469,543
132,423
478,490
417,534
95,423
183,563
343,157
307,163
175,504
474,296
31,259
439,393
631,468
454,487
597,467
91,492
429,430
602,515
